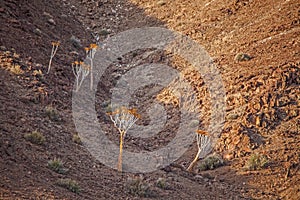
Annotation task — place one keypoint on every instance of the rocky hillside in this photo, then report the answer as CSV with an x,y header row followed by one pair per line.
x,y
255,46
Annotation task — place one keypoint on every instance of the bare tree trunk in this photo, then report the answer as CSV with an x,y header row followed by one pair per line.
x,y
194,161
92,78
121,151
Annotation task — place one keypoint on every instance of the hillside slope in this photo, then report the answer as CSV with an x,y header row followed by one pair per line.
x,y
262,96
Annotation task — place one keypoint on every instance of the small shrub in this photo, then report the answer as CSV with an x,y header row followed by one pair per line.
x,y
76,139
104,32
16,69
52,113
161,183
35,137
69,184
57,166
106,105
210,163
256,161
136,187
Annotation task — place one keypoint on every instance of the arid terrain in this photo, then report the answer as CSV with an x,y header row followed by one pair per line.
x,y
254,44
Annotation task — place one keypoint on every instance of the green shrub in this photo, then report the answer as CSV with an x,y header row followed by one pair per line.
x,y
136,187
161,183
256,161
210,162
104,32
57,166
52,113
69,184
35,137
76,139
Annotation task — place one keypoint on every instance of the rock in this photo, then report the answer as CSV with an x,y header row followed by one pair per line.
x,y
15,22
37,31
48,15
228,155
74,53
161,3
242,57
51,21
194,123
232,116
76,42
198,176
2,48
104,32
94,25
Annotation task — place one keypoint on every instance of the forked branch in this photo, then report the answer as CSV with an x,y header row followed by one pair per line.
x,y
53,52
123,120
90,52
203,140
80,71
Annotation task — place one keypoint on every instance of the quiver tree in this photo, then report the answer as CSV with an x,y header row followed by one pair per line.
x,y
90,53
80,71
53,52
203,139
123,119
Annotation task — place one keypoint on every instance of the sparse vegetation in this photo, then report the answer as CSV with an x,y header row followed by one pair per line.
x,y
256,161
104,32
11,62
137,187
261,97
52,113
161,183
35,137
76,138
69,184
57,165
106,105
16,69
211,162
